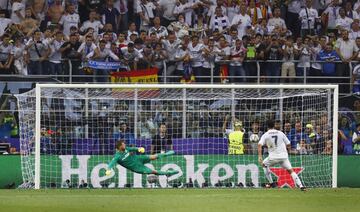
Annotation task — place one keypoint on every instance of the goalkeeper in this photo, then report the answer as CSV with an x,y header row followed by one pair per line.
x,y
126,157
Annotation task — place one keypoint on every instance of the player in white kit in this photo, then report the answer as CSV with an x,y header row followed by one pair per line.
x,y
277,144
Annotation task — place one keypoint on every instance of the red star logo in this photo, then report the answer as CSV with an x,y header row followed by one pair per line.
x,y
284,178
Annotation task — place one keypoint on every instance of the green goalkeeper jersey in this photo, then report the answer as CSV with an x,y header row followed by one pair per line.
x,y
127,158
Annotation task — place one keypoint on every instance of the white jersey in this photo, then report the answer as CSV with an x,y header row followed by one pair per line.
x,y
276,142
68,21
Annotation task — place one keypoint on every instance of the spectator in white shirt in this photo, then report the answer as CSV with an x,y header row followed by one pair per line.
x,y
6,55
223,52
131,56
87,47
357,6
347,50
276,21
69,19
93,23
219,21
55,54
101,53
241,21
4,22
288,66
308,16
161,31
171,44
355,30
237,72
182,57
343,22
132,30
345,47
232,9
167,6
37,52
212,9
185,8
108,29
350,12
145,10
330,14
209,57
17,11
19,59
196,48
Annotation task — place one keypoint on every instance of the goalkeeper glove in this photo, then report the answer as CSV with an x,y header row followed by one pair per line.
x,y
108,172
141,149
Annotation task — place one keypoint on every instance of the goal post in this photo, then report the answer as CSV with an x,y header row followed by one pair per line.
x,y
300,103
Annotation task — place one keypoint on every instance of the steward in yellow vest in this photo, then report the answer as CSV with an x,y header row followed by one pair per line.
x,y
236,139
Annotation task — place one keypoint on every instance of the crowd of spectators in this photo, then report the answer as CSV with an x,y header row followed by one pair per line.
x,y
185,37
282,39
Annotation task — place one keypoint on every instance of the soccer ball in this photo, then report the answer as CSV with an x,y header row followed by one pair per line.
x,y
254,138
152,179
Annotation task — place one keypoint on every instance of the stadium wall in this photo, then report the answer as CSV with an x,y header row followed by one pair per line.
x,y
348,170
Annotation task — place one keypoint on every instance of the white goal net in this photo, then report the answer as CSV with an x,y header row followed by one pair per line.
x,y
72,137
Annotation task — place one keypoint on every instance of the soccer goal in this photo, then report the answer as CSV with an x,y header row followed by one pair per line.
x,y
68,133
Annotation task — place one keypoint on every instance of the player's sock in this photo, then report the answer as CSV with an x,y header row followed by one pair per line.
x,y
161,155
297,180
268,174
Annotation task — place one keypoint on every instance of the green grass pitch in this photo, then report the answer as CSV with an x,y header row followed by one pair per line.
x,y
219,200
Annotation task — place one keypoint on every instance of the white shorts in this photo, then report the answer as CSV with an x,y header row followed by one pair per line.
x,y
283,162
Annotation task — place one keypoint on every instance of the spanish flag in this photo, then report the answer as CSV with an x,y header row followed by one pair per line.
x,y
144,76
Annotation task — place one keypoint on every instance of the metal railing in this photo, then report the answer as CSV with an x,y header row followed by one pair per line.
x,y
71,74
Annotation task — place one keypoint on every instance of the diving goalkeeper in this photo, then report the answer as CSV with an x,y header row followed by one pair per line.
x,y
126,157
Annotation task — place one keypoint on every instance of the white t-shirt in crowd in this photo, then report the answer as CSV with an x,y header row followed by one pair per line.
x,y
96,25
17,6
276,22
332,12
68,21
243,21
196,54
232,11
308,16
347,48
147,9
180,53
343,22
4,22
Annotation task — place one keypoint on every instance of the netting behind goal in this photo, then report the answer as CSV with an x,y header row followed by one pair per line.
x,y
80,128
